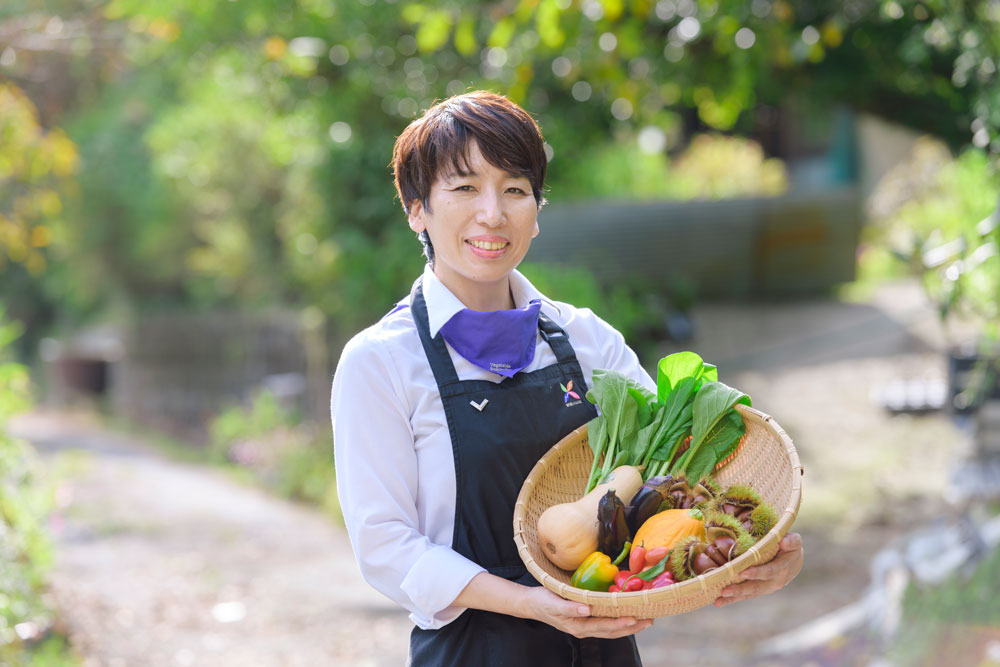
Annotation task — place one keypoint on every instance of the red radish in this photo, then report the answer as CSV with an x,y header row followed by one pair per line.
x,y
654,556
664,579
636,558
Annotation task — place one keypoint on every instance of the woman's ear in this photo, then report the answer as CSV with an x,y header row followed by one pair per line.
x,y
534,232
416,216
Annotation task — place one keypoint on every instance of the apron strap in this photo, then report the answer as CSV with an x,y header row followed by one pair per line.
x,y
556,338
437,351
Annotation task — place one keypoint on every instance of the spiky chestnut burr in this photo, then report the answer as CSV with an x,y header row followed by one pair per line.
x,y
682,495
746,505
725,540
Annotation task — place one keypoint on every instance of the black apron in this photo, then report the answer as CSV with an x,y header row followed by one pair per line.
x,y
495,443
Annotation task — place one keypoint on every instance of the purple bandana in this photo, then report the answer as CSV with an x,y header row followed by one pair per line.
x,y
500,341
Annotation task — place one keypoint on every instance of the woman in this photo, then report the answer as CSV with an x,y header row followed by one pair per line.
x,y
441,409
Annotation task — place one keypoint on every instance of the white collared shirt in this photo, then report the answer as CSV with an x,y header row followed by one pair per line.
x,y
395,468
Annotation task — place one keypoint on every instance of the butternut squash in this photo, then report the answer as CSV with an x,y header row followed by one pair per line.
x,y
667,528
568,531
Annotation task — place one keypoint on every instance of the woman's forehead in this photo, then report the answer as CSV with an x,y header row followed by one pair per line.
x,y
471,162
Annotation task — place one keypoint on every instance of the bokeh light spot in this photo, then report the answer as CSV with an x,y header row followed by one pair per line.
x,y
340,132
745,38
652,139
621,109
562,66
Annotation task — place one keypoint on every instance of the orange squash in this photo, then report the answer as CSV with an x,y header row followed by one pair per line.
x,y
667,528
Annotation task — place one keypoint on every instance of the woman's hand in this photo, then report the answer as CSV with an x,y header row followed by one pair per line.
x,y
574,617
770,576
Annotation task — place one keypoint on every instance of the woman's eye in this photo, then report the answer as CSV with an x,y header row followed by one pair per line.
x,y
464,188
516,191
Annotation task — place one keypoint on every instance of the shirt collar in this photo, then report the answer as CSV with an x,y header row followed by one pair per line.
x,y
442,304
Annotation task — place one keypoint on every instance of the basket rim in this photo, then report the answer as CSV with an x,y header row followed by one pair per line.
x,y
698,586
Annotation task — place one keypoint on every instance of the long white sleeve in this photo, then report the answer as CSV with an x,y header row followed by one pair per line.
x,y
377,484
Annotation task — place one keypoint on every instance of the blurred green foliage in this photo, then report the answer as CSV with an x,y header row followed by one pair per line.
x,y
712,166
235,153
939,215
281,451
36,178
25,553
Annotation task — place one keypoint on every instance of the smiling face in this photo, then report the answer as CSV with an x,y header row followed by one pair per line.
x,y
481,223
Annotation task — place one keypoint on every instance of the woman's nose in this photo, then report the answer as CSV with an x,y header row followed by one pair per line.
x,y
490,208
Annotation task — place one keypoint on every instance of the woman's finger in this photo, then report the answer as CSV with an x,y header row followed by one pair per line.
x,y
608,628
574,618
767,578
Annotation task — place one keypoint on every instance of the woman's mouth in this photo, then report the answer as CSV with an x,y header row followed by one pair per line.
x,y
487,248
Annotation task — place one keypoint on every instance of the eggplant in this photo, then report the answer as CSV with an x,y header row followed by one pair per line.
x,y
647,501
612,529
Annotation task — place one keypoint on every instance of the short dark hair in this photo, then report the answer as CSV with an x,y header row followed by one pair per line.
x,y
506,134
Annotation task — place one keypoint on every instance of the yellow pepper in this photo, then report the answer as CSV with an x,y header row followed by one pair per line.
x,y
597,572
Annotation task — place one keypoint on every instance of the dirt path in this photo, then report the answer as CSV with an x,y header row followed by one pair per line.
x,y
161,563
164,563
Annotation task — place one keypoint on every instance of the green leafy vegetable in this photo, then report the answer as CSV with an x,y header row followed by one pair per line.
x,y
636,427
715,430
620,411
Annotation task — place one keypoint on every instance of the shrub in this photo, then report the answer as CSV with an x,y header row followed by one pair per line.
x,y
285,454
25,550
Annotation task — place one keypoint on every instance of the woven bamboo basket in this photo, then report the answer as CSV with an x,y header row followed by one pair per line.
x,y
766,460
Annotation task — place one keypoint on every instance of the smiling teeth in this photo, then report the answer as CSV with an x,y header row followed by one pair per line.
x,y
488,245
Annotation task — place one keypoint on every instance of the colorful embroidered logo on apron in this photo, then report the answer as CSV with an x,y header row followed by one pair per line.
x,y
568,393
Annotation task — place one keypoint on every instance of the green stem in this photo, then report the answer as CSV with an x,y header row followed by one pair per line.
x,y
682,462
653,443
625,550
594,467
609,458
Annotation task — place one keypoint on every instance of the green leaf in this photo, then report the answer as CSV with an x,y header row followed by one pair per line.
x,y
628,429
668,419
645,413
718,444
711,405
610,394
667,446
675,367
597,435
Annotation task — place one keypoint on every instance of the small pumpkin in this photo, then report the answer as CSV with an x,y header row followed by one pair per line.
x,y
667,528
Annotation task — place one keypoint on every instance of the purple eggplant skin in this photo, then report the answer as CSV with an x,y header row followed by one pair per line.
x,y
647,501
612,529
